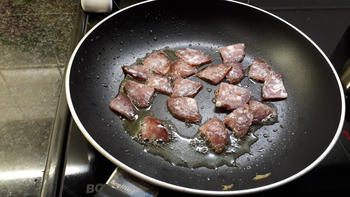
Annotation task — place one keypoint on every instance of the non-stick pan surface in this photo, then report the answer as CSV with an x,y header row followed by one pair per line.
x,y
310,118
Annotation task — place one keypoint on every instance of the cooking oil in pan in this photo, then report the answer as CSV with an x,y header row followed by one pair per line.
x,y
195,152
190,152
133,127
171,54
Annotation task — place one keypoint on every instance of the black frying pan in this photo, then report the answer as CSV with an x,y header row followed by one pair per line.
x,y
310,119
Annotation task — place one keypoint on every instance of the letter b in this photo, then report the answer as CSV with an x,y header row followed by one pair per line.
x,y
90,188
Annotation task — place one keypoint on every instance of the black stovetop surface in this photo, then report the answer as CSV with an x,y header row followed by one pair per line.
x,y
326,22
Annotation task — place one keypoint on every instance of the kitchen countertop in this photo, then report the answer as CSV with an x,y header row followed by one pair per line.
x,y
35,45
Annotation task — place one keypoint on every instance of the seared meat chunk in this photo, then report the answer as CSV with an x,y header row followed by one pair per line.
x,y
273,87
214,131
231,96
214,73
138,72
180,69
123,106
154,129
158,62
186,87
139,94
239,120
161,84
259,70
262,113
184,108
236,73
193,57
233,53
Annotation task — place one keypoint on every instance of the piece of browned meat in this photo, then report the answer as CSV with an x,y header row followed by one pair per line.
x,y
180,69
139,94
193,57
158,62
236,73
138,72
184,108
186,87
123,106
273,88
161,84
231,96
233,53
214,131
154,129
259,70
214,73
262,113
239,120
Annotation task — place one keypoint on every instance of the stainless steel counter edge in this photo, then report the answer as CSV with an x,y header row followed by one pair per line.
x,y
56,147
58,138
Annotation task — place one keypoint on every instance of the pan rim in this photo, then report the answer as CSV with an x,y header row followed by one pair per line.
x,y
191,190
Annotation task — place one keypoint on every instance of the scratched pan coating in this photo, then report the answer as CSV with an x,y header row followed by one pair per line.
x,y
309,119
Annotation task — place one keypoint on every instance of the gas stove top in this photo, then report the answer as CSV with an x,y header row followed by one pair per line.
x,y
85,171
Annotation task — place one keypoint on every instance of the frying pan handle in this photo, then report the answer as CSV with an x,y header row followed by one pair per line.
x,y
341,59
345,78
122,184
